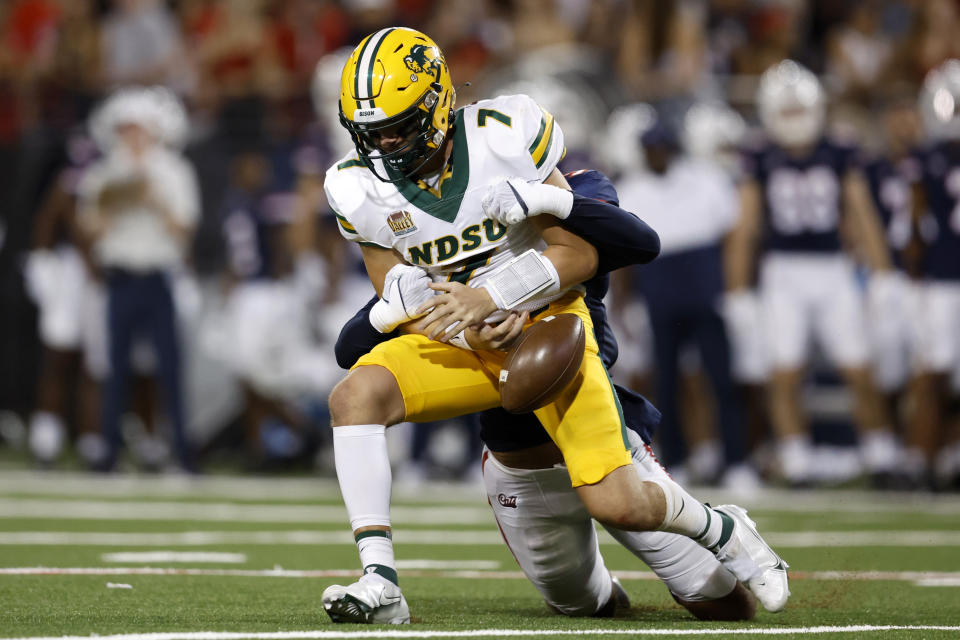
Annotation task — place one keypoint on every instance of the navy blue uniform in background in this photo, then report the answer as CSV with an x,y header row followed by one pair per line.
x,y
938,170
893,200
683,290
142,302
802,195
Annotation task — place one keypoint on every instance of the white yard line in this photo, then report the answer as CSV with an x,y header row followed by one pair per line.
x,y
499,633
939,582
488,537
478,565
813,539
228,512
226,487
462,570
212,557
312,488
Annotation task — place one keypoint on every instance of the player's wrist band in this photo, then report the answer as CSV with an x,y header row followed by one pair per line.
x,y
522,278
383,317
557,201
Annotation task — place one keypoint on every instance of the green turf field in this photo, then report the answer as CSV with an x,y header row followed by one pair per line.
x,y
249,557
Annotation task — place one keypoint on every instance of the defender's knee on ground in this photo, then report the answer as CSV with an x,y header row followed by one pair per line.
x,y
736,605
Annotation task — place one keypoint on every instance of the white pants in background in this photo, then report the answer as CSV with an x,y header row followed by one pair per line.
x,y
809,296
938,338
56,280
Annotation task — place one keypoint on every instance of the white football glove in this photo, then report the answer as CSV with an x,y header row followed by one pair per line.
x,y
404,291
513,200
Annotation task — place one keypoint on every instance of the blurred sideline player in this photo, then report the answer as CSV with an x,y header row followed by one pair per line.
x,y
422,189
630,316
800,193
893,311
936,176
542,520
57,278
893,303
262,295
138,206
692,205
65,283
714,133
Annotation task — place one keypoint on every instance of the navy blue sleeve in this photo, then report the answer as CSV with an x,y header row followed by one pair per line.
x,y
358,337
638,413
621,238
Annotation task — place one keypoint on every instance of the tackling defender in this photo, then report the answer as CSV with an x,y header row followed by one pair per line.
x,y
410,196
542,520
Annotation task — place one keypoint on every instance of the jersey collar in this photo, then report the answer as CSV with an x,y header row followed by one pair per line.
x,y
443,202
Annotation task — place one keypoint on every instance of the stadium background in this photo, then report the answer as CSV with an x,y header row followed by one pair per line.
x,y
245,68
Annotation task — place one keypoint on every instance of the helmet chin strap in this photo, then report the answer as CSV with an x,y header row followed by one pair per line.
x,y
428,158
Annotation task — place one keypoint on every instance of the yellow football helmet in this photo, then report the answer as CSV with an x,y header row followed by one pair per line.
x,y
396,78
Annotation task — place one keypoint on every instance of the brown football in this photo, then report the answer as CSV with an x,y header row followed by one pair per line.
x,y
542,363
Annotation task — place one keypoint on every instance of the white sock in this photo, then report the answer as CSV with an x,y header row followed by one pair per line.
x,y
689,517
879,451
795,457
47,436
363,470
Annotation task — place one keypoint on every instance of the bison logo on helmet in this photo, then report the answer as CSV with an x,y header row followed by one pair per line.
x,y
419,62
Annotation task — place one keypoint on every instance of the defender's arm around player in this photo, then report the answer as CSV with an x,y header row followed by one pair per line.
x,y
542,520
426,183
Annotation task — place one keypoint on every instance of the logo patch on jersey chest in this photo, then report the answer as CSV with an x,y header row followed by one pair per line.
x,y
401,223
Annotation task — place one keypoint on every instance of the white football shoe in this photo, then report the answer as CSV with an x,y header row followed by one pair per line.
x,y
371,600
753,562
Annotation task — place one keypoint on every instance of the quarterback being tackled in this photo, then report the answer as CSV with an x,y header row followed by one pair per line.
x,y
446,206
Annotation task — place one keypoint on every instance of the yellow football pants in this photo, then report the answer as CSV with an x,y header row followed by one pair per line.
x,y
440,381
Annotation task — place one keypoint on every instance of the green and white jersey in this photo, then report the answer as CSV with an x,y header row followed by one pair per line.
x,y
444,229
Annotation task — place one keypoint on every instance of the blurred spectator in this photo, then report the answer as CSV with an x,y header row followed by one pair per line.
x,y
691,205
935,39
30,35
139,205
58,282
75,72
27,41
775,32
537,24
239,71
301,32
142,45
663,50
859,52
